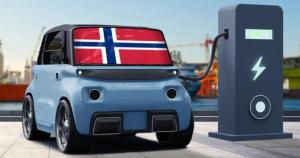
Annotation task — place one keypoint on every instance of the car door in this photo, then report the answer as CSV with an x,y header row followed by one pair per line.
x,y
53,61
37,85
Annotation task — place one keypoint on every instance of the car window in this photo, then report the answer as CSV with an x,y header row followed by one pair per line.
x,y
54,52
39,60
120,46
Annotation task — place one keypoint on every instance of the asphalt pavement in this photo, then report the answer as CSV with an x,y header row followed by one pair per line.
x,y
13,145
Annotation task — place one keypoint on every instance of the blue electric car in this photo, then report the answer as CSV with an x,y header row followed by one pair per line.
x,y
93,80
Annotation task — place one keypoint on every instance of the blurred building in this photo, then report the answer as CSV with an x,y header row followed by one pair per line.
x,y
291,72
27,73
176,57
1,60
14,77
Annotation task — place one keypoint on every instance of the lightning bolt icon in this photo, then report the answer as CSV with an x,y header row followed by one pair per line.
x,y
258,68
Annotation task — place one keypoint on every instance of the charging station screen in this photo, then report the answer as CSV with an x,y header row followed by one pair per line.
x,y
259,34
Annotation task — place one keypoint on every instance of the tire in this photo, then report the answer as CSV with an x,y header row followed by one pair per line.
x,y
67,138
177,139
29,127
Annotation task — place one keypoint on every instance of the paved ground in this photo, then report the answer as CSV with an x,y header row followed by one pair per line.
x,y
13,145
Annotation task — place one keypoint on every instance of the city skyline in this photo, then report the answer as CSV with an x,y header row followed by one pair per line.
x,y
182,22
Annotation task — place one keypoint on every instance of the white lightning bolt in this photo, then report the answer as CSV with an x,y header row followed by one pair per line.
x,y
258,69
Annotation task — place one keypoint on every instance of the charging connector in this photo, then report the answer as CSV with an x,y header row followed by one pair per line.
x,y
211,60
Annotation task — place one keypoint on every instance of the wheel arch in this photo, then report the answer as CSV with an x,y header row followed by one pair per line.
x,y
71,108
67,100
30,94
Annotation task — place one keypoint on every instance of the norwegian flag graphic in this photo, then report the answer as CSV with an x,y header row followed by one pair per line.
x,y
126,46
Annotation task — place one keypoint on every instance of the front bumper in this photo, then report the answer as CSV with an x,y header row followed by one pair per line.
x,y
133,99
109,123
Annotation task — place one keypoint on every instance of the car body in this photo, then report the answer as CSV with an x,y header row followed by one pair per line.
x,y
130,94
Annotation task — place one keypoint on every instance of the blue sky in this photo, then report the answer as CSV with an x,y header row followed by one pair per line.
x,y
182,21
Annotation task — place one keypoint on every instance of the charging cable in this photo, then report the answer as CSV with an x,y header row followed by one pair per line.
x,y
211,60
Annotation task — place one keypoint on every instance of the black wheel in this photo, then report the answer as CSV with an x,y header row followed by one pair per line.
x,y
30,130
177,139
67,138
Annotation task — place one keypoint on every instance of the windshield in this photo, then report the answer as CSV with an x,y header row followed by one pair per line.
x,y
120,46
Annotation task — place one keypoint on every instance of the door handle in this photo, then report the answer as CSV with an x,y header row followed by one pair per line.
x,y
57,76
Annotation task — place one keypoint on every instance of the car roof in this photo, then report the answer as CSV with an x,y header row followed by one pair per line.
x,y
66,27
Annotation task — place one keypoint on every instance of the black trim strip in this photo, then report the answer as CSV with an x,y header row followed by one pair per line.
x,y
118,74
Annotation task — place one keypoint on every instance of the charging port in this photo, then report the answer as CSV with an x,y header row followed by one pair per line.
x,y
227,35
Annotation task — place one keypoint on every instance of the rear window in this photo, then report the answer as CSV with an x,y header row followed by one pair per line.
x,y
120,46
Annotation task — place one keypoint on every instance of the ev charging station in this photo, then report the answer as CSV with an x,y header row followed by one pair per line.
x,y
250,73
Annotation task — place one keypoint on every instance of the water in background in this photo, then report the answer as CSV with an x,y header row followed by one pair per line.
x,y
10,106
197,105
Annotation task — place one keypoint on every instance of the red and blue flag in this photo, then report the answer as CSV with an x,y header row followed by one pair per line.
x,y
121,46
